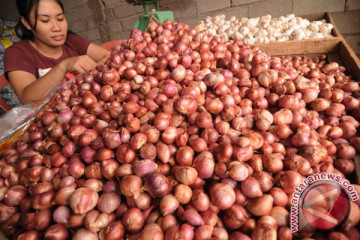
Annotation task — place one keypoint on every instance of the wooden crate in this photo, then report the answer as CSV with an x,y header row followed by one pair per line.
x,y
337,51
307,46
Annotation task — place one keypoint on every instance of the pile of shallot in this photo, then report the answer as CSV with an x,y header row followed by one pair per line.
x,y
182,135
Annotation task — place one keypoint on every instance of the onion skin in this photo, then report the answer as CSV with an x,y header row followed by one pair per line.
x,y
281,215
56,232
238,236
264,231
114,230
133,220
130,185
157,184
222,195
353,218
183,193
336,235
61,214
260,206
288,180
168,204
94,220
15,195
203,232
152,231
235,216
279,196
251,188
108,202
200,200
83,200
186,175
83,233
31,235
193,217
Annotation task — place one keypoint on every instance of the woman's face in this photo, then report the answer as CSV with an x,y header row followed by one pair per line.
x,y
51,26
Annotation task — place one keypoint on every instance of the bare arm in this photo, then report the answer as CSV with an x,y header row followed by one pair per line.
x,y
29,89
99,54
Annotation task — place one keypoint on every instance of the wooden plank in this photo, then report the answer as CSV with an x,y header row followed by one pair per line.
x,y
307,46
335,30
350,59
314,16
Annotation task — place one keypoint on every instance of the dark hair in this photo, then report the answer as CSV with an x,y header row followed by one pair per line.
x,y
24,8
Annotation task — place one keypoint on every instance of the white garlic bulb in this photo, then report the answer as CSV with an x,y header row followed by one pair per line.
x,y
265,29
244,30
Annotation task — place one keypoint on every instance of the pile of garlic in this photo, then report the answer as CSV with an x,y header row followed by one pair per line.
x,y
265,29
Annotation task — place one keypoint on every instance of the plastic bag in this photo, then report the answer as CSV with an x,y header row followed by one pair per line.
x,y
16,120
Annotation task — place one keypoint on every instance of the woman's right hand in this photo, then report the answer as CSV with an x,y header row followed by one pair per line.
x,y
80,64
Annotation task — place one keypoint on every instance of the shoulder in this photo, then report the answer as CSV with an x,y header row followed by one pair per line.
x,y
21,48
24,44
73,38
20,56
77,43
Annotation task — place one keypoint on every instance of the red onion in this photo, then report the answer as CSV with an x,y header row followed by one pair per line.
x,y
186,175
14,195
200,200
83,233
235,216
133,220
115,230
83,200
108,202
94,220
251,188
168,204
56,231
157,184
61,215
238,171
131,185
288,180
193,217
222,195
204,164
152,231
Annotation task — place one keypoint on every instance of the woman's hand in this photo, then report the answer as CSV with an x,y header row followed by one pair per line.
x,y
25,84
80,64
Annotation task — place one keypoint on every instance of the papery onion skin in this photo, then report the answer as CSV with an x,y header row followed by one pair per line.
x,y
235,216
222,195
83,233
56,232
83,200
133,220
108,202
157,184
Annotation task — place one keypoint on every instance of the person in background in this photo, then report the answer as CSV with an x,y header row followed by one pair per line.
x,y
47,52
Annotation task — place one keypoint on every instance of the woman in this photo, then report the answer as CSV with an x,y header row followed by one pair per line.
x,y
38,63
